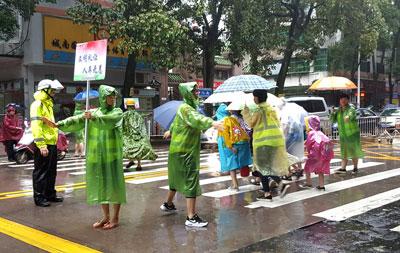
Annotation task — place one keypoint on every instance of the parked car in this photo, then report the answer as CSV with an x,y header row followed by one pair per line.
x,y
389,117
313,105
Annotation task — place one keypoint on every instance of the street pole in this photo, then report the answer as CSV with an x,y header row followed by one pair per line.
x,y
87,109
358,81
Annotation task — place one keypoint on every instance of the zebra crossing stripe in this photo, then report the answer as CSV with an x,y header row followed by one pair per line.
x,y
212,180
242,189
396,229
330,188
204,169
344,212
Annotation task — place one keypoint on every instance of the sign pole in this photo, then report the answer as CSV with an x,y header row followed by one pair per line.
x,y
87,109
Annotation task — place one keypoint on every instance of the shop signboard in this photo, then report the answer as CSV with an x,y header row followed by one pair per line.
x,y
90,60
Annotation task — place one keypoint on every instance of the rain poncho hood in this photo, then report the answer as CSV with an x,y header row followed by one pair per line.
x,y
222,112
42,107
104,173
313,123
185,89
105,91
349,132
184,149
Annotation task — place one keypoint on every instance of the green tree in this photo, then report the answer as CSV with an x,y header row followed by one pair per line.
x,y
287,28
360,23
141,25
9,12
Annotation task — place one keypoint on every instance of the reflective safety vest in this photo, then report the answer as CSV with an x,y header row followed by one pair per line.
x,y
268,132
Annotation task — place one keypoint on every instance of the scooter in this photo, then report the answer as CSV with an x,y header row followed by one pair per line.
x,y
25,147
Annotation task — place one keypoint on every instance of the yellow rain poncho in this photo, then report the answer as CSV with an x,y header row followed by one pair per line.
x,y
270,157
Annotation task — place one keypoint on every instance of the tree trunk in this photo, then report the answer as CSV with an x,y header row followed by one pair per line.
x,y
280,82
130,74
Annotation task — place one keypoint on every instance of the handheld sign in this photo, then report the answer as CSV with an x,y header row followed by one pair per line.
x,y
90,60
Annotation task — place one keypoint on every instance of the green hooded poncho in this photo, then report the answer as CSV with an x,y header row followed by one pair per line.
x,y
136,141
184,150
105,182
349,133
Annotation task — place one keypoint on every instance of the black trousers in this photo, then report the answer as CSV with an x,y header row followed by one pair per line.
x,y
10,149
44,174
265,180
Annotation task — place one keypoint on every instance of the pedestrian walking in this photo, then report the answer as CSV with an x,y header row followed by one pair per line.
x,y
184,153
11,131
233,146
45,138
270,159
105,184
79,135
320,153
349,133
136,141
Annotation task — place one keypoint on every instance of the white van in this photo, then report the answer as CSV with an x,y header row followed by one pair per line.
x,y
313,105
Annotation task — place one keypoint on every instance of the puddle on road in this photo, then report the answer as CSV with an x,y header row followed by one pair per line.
x,y
369,232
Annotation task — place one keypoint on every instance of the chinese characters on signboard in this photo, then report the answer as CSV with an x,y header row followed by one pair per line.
x,y
90,60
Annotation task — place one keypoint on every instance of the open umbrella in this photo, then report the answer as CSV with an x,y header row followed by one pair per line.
x,y
333,83
165,113
245,83
81,96
223,97
239,102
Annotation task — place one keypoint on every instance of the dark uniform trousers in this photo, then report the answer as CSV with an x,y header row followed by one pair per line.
x,y
44,174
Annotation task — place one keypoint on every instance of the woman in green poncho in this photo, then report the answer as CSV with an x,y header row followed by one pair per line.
x,y
105,183
349,133
184,153
80,135
136,141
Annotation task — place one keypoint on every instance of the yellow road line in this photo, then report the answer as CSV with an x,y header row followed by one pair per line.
x,y
82,185
41,239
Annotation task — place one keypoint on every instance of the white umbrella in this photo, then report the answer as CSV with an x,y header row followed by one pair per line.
x,y
239,102
223,97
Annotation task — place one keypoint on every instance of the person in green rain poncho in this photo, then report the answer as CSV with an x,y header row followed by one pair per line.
x,y
79,135
349,133
136,141
105,183
184,153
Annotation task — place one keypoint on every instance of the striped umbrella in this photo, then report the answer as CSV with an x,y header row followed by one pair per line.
x,y
245,83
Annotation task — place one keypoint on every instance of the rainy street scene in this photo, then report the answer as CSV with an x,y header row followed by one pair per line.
x,y
200,126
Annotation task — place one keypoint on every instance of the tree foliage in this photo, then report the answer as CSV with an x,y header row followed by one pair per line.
x,y
9,12
265,29
140,25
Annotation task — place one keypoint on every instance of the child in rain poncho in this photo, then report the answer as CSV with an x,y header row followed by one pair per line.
x,y
269,152
233,146
184,153
320,153
79,135
136,141
105,182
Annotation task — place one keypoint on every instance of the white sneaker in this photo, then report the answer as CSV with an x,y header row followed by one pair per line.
x,y
195,221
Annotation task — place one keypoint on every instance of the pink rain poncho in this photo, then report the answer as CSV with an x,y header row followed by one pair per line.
x,y
319,148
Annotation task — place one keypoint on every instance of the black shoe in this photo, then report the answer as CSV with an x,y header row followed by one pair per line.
x,y
56,199
168,208
341,171
263,197
130,164
42,203
322,188
195,221
355,170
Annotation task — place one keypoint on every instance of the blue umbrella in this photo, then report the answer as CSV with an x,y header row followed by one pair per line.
x,y
165,114
81,96
245,83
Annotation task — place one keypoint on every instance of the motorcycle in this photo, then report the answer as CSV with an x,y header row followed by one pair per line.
x,y
25,147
